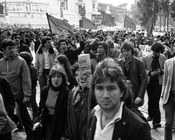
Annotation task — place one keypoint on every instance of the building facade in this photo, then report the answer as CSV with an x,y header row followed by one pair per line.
x,y
26,12
33,12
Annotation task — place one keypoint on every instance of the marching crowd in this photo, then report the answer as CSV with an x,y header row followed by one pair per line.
x,y
104,109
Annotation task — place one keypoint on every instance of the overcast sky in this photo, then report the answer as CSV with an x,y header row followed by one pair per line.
x,y
117,2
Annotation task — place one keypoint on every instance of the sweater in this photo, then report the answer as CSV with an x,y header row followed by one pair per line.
x,y
17,73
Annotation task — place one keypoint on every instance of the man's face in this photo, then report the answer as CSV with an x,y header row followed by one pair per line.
x,y
127,53
156,54
17,39
108,95
47,45
101,49
10,51
63,47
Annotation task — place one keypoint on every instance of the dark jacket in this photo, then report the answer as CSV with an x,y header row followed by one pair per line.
x,y
8,97
130,127
137,76
60,111
24,48
72,54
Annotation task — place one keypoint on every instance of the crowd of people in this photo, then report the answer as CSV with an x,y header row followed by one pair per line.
x,y
106,109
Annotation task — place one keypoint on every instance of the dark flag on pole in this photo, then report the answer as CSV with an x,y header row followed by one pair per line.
x,y
149,26
57,25
87,24
83,11
108,20
129,23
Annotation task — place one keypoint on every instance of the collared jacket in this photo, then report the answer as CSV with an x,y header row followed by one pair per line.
x,y
167,79
130,127
147,62
137,76
39,59
17,73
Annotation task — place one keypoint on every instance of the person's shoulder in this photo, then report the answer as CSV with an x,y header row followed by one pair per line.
x,y
170,60
137,59
120,60
134,117
148,55
163,56
20,59
44,89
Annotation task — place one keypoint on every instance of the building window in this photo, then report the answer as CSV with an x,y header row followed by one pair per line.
x,y
93,5
80,9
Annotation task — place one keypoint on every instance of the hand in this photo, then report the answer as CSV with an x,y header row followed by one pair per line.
x,y
153,73
138,100
26,99
158,72
36,125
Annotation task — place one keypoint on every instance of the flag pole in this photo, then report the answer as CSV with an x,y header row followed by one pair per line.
x,y
47,15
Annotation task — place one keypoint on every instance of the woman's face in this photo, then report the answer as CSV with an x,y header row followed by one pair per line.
x,y
56,80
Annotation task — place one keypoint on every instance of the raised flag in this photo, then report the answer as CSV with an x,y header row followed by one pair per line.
x,y
57,25
113,21
87,24
129,23
149,26
107,19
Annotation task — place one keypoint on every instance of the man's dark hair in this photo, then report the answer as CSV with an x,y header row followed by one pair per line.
x,y
110,69
127,45
158,47
45,39
7,42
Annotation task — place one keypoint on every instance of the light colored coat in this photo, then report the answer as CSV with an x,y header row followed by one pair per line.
x,y
148,60
39,61
167,79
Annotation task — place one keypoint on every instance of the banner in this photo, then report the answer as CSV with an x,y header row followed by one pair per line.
x,y
146,49
87,24
85,70
97,19
129,23
57,25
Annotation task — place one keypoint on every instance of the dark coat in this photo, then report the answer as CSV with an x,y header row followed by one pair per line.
x,y
60,111
24,48
137,76
72,54
8,97
130,127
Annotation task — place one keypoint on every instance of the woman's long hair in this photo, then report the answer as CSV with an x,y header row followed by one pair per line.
x,y
60,70
62,59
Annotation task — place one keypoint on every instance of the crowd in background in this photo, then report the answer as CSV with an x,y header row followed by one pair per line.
x,y
65,106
